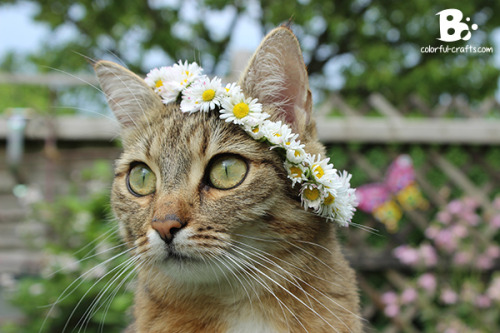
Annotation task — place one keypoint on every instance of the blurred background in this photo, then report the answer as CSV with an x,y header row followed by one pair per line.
x,y
395,106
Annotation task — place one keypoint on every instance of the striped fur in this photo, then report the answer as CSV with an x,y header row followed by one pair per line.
x,y
250,259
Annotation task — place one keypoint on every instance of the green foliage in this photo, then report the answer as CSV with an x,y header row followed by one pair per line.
x,y
79,277
376,44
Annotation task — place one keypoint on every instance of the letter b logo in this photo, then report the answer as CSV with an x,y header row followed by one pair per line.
x,y
451,25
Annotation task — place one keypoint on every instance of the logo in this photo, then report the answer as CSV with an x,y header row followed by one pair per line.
x,y
451,26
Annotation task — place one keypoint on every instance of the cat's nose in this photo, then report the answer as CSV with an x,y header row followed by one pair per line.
x,y
167,226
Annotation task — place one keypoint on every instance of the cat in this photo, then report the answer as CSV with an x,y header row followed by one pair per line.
x,y
225,253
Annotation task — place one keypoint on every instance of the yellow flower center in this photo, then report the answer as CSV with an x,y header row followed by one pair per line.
x,y
330,199
319,171
277,135
208,95
241,110
296,153
296,172
159,83
311,194
256,130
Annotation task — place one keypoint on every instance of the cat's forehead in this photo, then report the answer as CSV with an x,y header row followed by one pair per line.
x,y
178,143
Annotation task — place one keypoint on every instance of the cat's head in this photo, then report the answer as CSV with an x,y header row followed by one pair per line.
x,y
195,194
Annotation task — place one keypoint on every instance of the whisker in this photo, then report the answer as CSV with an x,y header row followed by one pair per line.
x,y
88,291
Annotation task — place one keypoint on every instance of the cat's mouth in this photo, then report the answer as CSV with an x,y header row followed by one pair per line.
x,y
174,255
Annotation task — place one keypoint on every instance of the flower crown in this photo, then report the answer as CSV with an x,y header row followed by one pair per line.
x,y
323,189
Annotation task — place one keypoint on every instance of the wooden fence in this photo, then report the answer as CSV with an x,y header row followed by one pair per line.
x,y
458,146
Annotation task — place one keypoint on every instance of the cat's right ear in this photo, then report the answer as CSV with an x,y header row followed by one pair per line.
x,y
129,97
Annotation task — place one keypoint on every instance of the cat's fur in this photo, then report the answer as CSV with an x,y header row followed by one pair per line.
x,y
249,259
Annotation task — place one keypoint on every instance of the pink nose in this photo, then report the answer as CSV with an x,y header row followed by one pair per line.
x,y
167,226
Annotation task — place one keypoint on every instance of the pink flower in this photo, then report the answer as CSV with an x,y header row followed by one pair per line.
x,y
455,207
462,258
495,222
428,282
471,218
431,232
496,203
483,301
459,231
493,251
493,291
428,254
391,310
406,254
484,262
444,217
446,241
448,296
409,295
389,297
470,203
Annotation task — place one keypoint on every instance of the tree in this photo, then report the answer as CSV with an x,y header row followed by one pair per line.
x,y
376,44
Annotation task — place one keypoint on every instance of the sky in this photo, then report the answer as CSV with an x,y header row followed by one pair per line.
x,y
17,29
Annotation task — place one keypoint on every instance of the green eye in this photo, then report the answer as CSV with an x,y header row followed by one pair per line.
x,y
141,180
227,171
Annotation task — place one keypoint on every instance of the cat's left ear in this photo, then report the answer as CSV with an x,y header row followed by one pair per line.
x,y
129,97
277,76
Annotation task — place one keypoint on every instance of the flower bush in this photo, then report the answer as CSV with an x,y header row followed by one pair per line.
x,y
456,287
79,287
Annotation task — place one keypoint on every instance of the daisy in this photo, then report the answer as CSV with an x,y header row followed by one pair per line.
x,y
277,133
311,195
203,95
254,131
296,172
232,89
345,201
322,171
181,75
241,111
156,78
295,152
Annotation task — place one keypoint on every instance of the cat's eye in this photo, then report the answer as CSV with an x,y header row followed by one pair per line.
x,y
227,171
141,180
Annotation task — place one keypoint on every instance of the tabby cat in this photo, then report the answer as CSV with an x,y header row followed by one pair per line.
x,y
221,241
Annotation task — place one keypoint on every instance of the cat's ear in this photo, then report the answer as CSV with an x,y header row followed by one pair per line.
x,y
277,76
129,97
